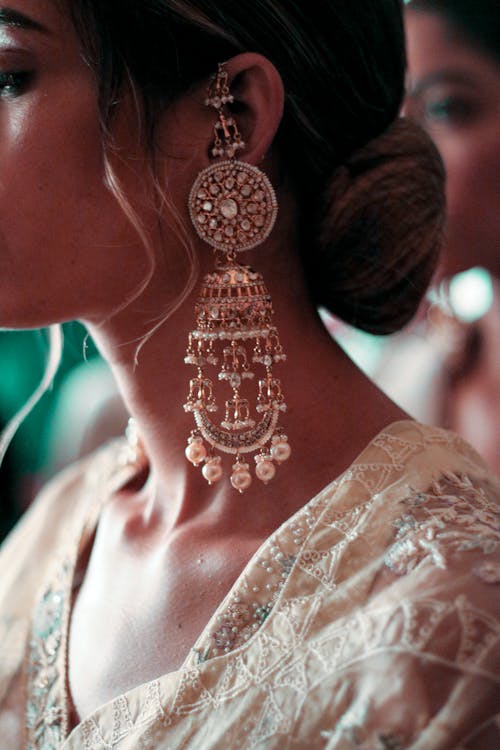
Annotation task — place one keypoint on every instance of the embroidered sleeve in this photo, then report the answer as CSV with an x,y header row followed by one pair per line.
x,y
453,517
429,674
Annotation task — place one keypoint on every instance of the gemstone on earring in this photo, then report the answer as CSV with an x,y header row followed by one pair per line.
x,y
235,380
229,208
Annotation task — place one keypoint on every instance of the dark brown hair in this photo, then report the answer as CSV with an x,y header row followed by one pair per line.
x,y
342,64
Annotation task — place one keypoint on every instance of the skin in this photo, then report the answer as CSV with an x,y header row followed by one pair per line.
x,y
454,92
67,262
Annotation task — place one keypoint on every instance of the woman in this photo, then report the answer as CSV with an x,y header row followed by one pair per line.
x,y
332,621
453,92
454,85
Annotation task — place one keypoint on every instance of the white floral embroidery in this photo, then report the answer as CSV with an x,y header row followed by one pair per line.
x,y
453,516
44,714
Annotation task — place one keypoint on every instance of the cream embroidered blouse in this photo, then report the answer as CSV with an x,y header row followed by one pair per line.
x,y
370,619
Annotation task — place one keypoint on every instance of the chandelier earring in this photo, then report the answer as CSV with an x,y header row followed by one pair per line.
x,y
233,208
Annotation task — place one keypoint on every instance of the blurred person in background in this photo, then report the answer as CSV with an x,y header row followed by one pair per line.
x,y
446,368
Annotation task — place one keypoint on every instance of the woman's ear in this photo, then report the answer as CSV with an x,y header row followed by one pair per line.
x,y
258,102
186,131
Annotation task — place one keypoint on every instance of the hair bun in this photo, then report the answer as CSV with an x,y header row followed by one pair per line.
x,y
380,231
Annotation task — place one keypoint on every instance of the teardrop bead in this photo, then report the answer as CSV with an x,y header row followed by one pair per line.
x,y
212,471
196,452
241,479
281,451
265,471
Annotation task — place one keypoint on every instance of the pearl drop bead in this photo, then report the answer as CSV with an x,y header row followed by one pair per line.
x,y
241,479
281,452
196,452
212,471
265,471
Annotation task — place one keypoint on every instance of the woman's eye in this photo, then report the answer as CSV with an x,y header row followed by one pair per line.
x,y
451,109
13,83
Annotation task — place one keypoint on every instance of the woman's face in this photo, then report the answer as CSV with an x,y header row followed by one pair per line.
x,y
454,93
66,249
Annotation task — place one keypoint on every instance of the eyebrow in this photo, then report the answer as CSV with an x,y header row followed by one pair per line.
x,y
13,18
439,77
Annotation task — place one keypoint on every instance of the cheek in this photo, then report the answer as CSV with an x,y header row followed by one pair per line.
x,y
63,238
473,177
473,196
52,175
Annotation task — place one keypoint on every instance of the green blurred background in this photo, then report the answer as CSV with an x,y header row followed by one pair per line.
x,y
29,459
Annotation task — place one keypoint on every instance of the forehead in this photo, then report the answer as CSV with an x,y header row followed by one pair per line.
x,y
42,16
432,44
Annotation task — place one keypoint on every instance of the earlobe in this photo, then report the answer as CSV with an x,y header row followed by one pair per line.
x,y
259,96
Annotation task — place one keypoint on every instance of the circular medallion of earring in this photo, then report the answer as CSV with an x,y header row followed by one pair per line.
x,y
233,206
